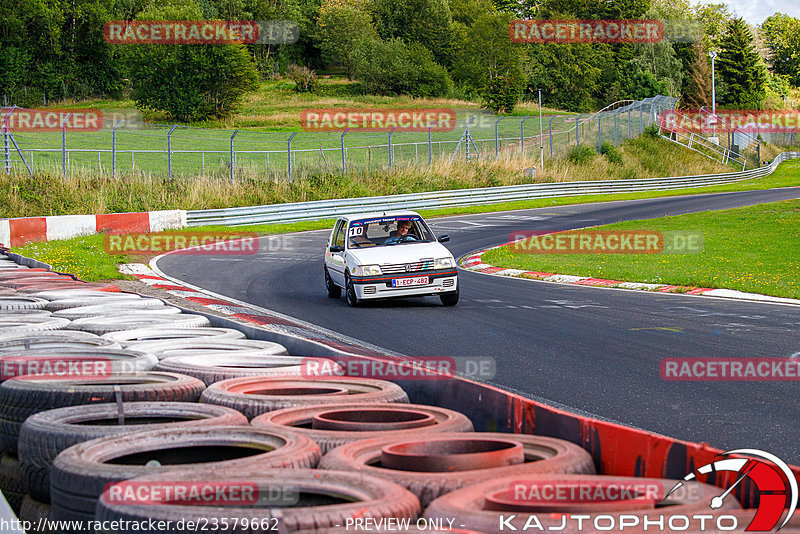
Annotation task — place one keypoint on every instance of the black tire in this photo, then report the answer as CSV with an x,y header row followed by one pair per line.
x,y
19,399
350,292
541,455
115,323
54,340
370,421
218,367
334,291
261,394
352,495
44,435
450,298
11,481
45,362
131,338
36,512
10,304
82,472
469,504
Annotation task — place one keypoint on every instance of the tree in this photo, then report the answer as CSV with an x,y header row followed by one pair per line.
x,y
485,52
426,22
740,68
782,35
342,25
659,62
697,89
568,75
713,19
392,67
189,82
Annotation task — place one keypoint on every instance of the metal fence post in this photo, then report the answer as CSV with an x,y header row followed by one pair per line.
x,y
232,154
550,129
496,139
641,118
64,146
600,132
114,148
578,130
522,134
6,151
430,144
289,152
629,122
169,151
615,128
390,146
344,166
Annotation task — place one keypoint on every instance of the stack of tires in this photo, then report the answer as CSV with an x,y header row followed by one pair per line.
x,y
198,428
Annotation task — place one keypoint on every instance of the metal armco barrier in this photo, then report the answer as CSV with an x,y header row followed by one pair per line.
x,y
326,209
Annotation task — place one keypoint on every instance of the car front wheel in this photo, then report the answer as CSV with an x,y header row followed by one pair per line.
x,y
350,292
449,299
334,291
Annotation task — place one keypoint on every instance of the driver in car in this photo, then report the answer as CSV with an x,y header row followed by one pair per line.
x,y
403,227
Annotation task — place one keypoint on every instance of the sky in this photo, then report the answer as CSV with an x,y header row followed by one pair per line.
x,y
755,11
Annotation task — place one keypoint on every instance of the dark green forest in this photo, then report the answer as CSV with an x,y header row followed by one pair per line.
x,y
52,50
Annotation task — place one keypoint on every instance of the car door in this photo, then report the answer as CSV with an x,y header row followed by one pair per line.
x,y
335,260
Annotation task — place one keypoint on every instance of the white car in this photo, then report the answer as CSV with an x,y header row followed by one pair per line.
x,y
385,255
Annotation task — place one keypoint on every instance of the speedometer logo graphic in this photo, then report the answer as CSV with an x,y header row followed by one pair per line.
x,y
776,493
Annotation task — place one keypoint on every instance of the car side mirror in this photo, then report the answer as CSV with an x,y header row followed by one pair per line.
x,y
337,248
444,238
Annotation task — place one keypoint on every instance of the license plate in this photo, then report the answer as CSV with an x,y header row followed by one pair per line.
x,y
416,281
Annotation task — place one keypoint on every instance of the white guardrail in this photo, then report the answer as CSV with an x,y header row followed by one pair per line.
x,y
327,209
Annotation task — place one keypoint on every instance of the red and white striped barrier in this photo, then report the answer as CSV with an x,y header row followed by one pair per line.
x,y
17,232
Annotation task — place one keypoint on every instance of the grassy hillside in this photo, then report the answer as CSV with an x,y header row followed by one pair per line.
x,y
50,194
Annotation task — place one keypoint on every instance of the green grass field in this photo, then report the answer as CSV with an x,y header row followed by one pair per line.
x,y
270,115
751,249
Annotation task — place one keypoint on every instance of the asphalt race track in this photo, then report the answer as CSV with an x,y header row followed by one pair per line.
x,y
593,350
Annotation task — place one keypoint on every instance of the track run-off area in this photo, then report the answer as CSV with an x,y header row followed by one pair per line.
x,y
589,350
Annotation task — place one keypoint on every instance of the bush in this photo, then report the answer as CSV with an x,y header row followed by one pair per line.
x,y
304,78
611,152
392,67
502,93
191,82
652,131
581,154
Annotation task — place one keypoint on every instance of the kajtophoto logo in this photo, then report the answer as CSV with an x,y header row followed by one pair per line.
x,y
776,484
585,31
406,120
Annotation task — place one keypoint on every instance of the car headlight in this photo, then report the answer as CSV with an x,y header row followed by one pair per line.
x,y
368,270
442,263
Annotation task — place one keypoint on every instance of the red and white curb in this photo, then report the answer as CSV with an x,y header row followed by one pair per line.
x,y
20,231
474,262
253,314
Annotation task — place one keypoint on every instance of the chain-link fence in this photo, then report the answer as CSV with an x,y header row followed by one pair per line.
x,y
123,147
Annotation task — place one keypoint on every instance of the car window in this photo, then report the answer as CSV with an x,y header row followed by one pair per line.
x,y
386,231
338,238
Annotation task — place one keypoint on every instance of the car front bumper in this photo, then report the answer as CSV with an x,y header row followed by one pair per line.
x,y
380,286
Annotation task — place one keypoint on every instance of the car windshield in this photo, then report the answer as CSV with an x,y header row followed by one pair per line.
x,y
388,231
